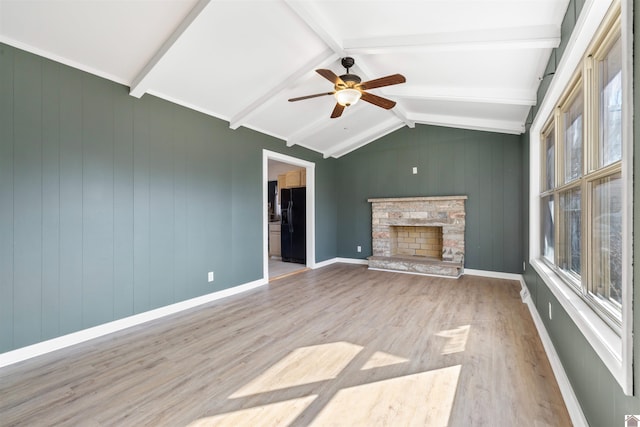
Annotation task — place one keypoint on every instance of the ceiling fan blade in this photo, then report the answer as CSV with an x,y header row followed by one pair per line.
x,y
310,96
378,100
331,76
337,111
393,79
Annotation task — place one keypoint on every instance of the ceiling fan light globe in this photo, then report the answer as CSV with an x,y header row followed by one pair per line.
x,y
347,97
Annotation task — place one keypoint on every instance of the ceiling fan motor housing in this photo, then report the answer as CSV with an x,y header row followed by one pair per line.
x,y
350,80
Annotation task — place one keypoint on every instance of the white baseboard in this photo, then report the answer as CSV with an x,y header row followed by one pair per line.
x,y
324,263
353,261
493,274
68,340
341,260
570,400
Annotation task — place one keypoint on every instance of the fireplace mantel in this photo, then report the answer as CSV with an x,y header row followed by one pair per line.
x,y
445,212
416,199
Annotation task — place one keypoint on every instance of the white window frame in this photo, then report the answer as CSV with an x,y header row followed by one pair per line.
x,y
616,351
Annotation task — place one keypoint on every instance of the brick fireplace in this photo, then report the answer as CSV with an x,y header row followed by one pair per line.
x,y
422,235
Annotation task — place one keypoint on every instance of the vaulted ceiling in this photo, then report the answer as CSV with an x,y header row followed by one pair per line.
x,y
473,64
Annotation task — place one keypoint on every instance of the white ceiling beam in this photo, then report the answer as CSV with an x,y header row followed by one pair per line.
x,y
319,61
473,123
306,12
401,114
309,14
363,138
529,37
140,83
459,94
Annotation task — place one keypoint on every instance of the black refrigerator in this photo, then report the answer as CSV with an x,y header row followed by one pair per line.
x,y
293,225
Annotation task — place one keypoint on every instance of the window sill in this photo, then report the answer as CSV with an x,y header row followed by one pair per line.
x,y
605,342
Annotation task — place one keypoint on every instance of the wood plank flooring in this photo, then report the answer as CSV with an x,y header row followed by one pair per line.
x,y
340,345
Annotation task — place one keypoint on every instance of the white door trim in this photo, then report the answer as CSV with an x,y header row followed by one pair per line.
x,y
311,211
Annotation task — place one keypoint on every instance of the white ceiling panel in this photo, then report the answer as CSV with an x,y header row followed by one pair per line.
x,y
358,125
473,64
113,39
231,55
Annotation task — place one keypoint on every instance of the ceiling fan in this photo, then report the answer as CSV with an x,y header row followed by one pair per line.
x,y
348,88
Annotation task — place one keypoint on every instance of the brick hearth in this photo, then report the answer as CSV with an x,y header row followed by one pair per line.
x,y
393,247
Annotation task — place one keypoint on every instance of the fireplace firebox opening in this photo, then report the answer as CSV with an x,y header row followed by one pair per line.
x,y
418,241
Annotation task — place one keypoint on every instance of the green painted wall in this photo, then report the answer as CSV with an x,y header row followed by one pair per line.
x,y
601,398
485,166
112,206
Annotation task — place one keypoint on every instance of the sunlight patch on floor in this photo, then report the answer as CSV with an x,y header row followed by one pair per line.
x,y
272,414
304,365
423,399
380,359
456,339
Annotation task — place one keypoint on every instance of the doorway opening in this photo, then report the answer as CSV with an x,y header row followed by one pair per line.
x,y
289,228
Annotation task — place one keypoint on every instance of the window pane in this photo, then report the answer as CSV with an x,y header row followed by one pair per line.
x,y
573,140
570,237
550,161
607,239
610,84
548,223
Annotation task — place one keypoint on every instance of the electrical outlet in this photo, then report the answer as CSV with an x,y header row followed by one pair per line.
x,y
359,248
210,276
415,170
550,314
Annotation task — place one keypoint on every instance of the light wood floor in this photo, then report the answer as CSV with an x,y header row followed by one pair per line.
x,y
339,345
